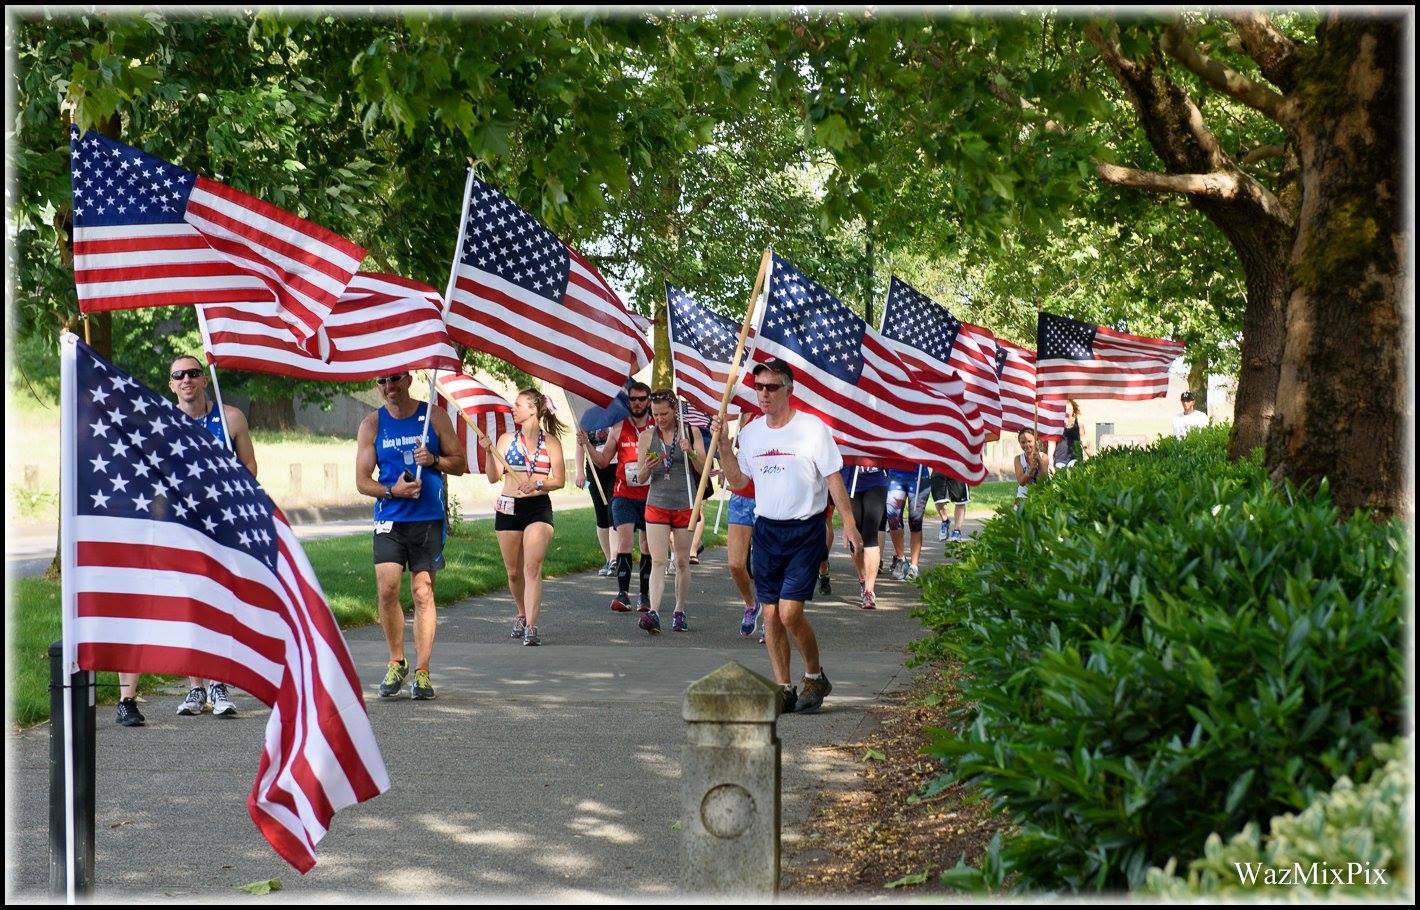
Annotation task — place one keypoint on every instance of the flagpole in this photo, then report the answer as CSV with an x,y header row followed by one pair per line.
x,y
587,454
680,425
216,386
733,376
498,456
68,507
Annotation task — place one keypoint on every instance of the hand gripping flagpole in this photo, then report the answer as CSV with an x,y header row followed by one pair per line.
x,y
444,313
216,386
587,453
733,376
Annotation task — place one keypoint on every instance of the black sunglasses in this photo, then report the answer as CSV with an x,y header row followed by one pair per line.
x,y
381,380
186,374
638,397
768,386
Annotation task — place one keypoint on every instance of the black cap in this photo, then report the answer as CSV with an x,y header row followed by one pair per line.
x,y
1187,396
776,366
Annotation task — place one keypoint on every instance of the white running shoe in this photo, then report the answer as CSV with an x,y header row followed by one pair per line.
x,y
221,705
194,704
942,530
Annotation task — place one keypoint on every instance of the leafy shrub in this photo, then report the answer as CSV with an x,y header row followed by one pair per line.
x,y
1160,645
1365,825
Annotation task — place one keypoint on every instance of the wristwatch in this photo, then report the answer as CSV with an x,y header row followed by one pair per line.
x,y
538,485
389,493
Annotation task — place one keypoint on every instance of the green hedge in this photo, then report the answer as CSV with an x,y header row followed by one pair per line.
x,y
1158,646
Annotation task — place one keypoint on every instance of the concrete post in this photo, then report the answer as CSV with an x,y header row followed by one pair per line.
x,y
730,785
332,479
295,478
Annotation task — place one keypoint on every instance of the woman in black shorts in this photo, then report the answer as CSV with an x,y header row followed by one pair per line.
x,y
523,513
587,476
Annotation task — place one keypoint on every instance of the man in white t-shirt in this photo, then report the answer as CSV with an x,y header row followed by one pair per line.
x,y
794,463
1190,419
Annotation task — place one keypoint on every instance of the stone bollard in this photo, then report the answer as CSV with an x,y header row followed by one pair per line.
x,y
295,479
730,785
332,480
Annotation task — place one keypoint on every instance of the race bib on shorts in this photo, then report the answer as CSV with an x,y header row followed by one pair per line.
x,y
384,527
504,505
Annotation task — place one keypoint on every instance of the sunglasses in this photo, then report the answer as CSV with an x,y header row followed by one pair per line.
x,y
381,380
638,398
186,374
768,386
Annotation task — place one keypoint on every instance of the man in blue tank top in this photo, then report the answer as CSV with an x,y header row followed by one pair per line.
x,y
409,517
187,380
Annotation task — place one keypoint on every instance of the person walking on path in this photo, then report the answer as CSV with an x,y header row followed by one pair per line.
x,y
1070,449
907,492
409,517
667,456
794,463
737,538
1030,465
950,490
1189,418
628,500
600,490
188,382
523,511
867,490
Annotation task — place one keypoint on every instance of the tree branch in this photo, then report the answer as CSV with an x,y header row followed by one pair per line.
x,y
1262,152
1275,53
1228,81
1217,186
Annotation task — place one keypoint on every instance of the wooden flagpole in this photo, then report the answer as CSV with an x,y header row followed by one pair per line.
x,y
732,378
493,446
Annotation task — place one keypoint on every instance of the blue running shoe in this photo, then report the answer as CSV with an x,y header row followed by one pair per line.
x,y
747,624
651,622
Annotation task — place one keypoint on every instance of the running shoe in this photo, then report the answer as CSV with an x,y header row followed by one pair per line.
x,y
761,633
194,704
221,705
913,573
651,622
421,688
824,587
899,571
645,605
670,567
942,530
896,564
956,535
678,623
530,638
520,625
813,694
695,559
862,589
788,699
394,678
869,601
128,713
747,624
609,569
620,604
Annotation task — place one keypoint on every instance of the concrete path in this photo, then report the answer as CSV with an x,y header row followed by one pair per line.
x,y
550,773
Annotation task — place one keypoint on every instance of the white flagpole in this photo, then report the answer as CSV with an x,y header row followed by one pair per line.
x,y
853,488
682,430
216,386
68,492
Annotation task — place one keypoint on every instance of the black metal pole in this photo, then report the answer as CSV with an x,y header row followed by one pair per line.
x,y
82,691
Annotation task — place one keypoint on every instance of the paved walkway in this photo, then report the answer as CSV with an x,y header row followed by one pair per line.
x,y
552,773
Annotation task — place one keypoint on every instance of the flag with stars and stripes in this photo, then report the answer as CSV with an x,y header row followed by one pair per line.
x,y
702,345
469,402
523,295
1083,360
175,561
957,355
382,324
1021,409
150,233
844,373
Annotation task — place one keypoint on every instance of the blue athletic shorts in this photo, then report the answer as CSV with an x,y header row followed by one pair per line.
x,y
741,510
785,556
628,511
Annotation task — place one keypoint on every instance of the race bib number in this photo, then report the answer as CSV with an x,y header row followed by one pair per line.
x,y
384,527
631,476
504,505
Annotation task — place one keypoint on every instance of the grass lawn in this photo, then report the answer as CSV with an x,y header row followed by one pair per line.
x,y
347,576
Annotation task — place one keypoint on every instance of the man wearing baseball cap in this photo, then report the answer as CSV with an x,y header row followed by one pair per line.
x,y
1190,418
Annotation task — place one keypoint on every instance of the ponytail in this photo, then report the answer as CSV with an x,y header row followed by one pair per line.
x,y
550,424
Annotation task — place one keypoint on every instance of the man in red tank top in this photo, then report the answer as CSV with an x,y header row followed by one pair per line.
x,y
628,498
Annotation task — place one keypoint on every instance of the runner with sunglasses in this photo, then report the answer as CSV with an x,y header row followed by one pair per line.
x,y
187,380
628,499
409,518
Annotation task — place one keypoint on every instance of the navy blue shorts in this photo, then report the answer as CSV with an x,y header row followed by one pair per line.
x,y
626,511
785,556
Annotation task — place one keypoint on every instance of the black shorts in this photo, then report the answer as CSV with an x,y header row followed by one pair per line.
x,y
607,475
947,489
415,545
527,510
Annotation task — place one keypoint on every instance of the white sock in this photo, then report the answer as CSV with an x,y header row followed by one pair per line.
x,y
818,675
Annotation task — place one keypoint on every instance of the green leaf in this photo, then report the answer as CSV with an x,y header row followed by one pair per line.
x,y
874,755
832,132
916,878
1239,790
265,886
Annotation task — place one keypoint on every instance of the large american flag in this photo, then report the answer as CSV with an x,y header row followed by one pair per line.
x,y
177,562
1020,408
1084,360
382,324
946,351
468,401
702,344
150,233
846,375
523,295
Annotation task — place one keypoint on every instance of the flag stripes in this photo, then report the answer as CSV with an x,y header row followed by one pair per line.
x,y
466,400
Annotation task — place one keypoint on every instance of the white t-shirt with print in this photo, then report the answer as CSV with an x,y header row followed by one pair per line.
x,y
790,466
1182,422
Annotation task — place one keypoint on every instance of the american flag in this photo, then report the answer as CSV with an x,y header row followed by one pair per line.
x,y
845,375
692,417
176,562
1020,408
525,296
1084,360
149,233
382,324
946,351
468,401
702,344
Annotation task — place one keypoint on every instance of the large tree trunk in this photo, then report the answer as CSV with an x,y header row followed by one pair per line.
x,y
273,414
1342,402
